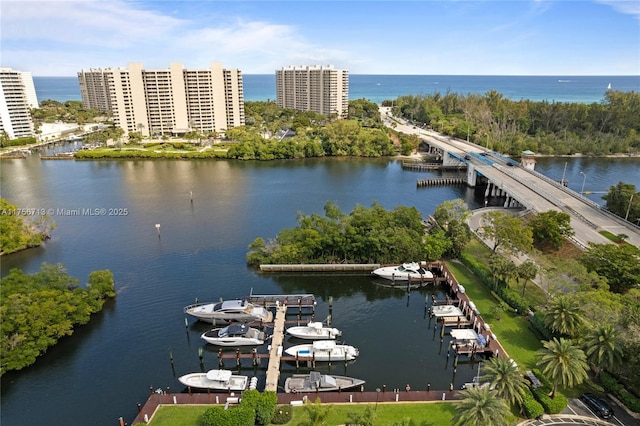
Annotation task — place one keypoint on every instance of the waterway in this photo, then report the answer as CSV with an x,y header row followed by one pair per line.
x,y
99,373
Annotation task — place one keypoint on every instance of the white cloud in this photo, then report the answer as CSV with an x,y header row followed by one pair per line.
x,y
627,7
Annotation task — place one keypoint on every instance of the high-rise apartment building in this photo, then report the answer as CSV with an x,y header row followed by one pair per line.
x,y
322,89
168,101
17,98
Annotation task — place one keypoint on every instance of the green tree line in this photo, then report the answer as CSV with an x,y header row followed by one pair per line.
x,y
510,127
366,235
362,134
17,232
38,309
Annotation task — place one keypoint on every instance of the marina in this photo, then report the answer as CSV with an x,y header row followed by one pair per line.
x,y
455,312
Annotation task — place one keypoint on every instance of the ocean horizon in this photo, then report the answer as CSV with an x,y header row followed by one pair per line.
x,y
378,88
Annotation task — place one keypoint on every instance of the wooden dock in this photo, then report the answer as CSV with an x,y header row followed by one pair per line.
x,y
275,353
320,267
306,301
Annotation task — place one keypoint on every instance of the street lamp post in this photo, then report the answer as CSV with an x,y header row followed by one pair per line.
x,y
583,182
377,396
626,216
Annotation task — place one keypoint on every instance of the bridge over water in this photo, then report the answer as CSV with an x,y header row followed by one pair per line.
x,y
522,186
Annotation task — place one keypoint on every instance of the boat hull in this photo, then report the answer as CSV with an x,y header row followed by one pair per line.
x,y
229,311
314,333
301,383
222,337
200,381
335,353
404,272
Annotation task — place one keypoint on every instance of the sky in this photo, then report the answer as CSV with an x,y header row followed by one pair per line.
x,y
447,37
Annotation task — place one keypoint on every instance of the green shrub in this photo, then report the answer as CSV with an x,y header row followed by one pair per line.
x,y
238,416
630,401
532,408
610,383
283,415
538,326
263,404
554,405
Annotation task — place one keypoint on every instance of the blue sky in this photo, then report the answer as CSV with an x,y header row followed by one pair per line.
x,y
523,37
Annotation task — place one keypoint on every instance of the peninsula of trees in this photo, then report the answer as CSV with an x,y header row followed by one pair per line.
x,y
17,232
36,310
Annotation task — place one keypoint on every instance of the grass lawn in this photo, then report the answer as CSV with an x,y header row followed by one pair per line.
x,y
512,330
184,415
386,414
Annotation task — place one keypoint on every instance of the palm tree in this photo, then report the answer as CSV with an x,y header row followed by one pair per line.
x,y
564,362
603,348
563,315
317,413
481,407
502,268
505,378
526,271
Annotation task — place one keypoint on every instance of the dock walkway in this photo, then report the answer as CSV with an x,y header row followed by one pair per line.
x,y
273,372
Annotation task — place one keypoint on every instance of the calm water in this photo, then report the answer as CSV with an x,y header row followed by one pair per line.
x,y
106,367
261,87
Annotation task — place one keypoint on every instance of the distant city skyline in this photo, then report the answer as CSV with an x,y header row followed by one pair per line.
x,y
537,37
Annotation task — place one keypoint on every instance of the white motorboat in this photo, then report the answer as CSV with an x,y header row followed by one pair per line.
x,y
405,272
229,310
314,331
216,380
315,381
324,350
235,334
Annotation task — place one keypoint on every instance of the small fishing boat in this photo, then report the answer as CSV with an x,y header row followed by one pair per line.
x,y
229,310
235,334
215,380
315,381
324,350
314,331
405,272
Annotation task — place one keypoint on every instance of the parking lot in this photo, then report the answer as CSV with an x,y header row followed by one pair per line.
x,y
620,417
577,413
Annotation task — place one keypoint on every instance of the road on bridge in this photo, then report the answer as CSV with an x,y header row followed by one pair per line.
x,y
531,189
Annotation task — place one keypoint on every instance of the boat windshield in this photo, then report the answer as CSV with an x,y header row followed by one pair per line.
x,y
233,330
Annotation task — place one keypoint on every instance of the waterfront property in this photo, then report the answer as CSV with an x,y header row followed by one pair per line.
x,y
479,341
168,101
321,89
17,100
